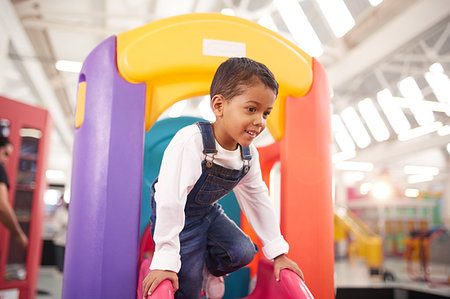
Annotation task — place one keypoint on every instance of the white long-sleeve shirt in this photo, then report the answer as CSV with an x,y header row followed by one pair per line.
x,y
180,170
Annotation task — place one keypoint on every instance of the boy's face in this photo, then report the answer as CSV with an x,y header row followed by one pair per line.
x,y
242,118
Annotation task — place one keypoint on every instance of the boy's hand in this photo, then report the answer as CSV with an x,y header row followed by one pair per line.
x,y
155,277
282,262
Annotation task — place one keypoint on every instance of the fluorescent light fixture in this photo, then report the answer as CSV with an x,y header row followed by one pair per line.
x,y
337,15
381,190
29,132
410,90
425,170
375,2
439,82
356,127
51,196
341,135
68,66
177,109
365,188
443,131
419,131
373,120
355,166
412,192
299,26
419,178
228,12
52,174
393,112
268,22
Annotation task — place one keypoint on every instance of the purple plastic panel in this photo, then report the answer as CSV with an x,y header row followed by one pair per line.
x,y
103,231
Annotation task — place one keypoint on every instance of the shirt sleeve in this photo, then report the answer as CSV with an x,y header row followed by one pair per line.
x,y
253,198
180,169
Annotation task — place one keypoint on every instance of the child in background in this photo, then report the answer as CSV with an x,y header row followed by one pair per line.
x,y
196,243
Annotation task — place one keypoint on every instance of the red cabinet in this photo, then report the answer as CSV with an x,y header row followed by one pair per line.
x,y
29,132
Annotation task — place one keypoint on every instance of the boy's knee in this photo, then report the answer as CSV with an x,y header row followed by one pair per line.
x,y
244,253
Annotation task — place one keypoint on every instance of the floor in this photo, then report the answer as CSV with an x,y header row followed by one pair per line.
x,y
349,274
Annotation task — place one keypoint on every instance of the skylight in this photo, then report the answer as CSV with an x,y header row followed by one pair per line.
x,y
299,26
373,120
356,127
410,90
337,15
394,114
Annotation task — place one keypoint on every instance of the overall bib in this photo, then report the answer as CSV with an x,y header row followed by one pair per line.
x,y
209,237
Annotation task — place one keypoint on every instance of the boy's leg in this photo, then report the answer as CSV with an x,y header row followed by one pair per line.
x,y
192,251
228,247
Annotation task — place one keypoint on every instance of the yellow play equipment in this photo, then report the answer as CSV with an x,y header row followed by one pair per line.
x,y
367,244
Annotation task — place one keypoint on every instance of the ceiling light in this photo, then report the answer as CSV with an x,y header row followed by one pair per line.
x,y
299,26
355,126
381,190
341,134
375,2
419,131
373,120
425,170
342,156
393,112
52,174
365,188
356,166
338,16
68,66
443,131
410,90
228,12
412,192
267,21
419,178
439,82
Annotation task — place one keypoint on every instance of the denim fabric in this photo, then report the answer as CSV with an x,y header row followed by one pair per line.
x,y
209,236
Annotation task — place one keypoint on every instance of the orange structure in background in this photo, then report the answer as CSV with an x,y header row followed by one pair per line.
x,y
30,129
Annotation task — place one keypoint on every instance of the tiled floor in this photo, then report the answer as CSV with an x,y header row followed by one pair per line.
x,y
348,274
50,283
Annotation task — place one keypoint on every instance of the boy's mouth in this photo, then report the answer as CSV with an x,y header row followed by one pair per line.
x,y
253,134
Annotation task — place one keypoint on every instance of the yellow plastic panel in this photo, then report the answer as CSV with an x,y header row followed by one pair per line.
x,y
168,55
81,98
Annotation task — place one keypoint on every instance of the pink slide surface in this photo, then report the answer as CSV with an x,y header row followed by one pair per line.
x,y
289,286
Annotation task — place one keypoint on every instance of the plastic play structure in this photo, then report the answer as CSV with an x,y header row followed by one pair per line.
x,y
127,82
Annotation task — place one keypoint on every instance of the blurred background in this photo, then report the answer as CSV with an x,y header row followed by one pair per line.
x,y
388,63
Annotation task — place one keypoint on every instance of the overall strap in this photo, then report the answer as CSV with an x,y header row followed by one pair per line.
x,y
209,142
245,152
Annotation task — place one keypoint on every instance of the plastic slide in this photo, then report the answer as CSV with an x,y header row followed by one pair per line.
x,y
289,286
369,245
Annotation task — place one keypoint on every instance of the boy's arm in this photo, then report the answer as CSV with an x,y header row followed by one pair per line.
x,y
155,277
9,219
282,262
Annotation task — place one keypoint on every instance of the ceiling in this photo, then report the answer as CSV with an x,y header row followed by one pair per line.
x,y
389,42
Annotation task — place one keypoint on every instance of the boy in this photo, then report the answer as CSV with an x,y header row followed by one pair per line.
x,y
196,243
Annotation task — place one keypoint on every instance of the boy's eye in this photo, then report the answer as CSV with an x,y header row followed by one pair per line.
x,y
251,109
266,114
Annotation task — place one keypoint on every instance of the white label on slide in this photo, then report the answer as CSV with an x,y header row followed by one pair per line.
x,y
223,48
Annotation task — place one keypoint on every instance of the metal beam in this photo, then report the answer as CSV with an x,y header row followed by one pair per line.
x,y
413,22
34,71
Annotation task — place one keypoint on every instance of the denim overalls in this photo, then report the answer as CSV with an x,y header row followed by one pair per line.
x,y
209,236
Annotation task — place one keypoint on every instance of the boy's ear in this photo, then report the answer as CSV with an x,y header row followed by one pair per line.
x,y
217,103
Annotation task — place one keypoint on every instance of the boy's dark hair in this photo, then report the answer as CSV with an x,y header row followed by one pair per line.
x,y
236,72
4,141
